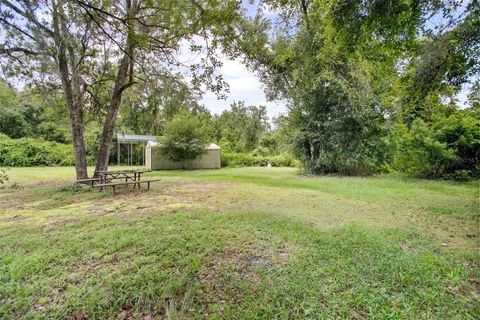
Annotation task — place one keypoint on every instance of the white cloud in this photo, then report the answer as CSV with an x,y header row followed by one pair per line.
x,y
268,10
233,68
274,108
244,84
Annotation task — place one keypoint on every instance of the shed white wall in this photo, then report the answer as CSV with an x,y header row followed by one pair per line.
x,y
148,157
154,160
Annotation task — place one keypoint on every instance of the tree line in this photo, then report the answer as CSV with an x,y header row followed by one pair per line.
x,y
371,86
94,51
35,120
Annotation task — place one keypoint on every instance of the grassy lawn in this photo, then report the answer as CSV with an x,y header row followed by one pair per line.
x,y
243,243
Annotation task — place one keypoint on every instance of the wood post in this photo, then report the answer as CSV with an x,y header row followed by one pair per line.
x,y
118,152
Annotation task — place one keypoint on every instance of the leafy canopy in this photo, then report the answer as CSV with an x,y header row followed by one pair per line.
x,y
185,137
352,72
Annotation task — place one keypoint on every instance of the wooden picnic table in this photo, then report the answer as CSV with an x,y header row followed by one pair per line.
x,y
105,178
131,174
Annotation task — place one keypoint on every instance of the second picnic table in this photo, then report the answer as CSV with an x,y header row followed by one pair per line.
x,y
104,180
132,175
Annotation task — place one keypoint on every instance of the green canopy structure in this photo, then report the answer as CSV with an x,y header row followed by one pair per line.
x,y
130,140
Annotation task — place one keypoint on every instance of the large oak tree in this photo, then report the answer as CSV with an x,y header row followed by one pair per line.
x,y
96,50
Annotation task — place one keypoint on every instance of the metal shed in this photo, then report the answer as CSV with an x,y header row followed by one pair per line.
x,y
130,140
154,160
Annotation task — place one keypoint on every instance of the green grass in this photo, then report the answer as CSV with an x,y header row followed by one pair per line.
x,y
243,243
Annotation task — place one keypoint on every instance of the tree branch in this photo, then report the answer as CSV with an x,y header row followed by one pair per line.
x,y
11,50
6,22
29,16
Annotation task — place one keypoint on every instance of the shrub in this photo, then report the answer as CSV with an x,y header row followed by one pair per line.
x,y
93,136
52,132
285,160
3,176
448,148
420,154
261,152
185,138
26,152
459,175
13,123
461,133
230,159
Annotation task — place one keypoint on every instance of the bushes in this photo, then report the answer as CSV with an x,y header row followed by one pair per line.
x,y
420,154
229,159
51,131
249,160
93,136
13,123
461,133
447,148
185,138
3,176
26,152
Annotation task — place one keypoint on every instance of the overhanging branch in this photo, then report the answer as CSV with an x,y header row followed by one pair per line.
x,y
26,51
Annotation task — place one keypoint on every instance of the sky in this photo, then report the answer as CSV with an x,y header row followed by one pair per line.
x,y
244,84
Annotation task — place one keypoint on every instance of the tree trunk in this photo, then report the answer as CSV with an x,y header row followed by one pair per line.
x,y
78,129
123,80
107,134
109,125
73,96
75,113
316,151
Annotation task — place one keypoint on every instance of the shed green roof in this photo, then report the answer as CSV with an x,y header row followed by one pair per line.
x,y
134,138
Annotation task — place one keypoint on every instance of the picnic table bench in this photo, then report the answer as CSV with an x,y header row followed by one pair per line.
x,y
89,181
115,184
132,175
105,178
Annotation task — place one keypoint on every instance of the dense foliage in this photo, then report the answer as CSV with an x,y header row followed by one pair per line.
x,y
240,159
240,128
371,85
25,152
36,112
448,147
40,113
185,138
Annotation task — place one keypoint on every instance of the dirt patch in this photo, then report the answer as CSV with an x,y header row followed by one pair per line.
x,y
43,183
221,271
199,189
15,218
406,247
163,199
60,223
244,264
128,312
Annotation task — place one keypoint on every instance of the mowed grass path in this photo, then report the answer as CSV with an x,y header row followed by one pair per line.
x,y
243,243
